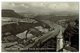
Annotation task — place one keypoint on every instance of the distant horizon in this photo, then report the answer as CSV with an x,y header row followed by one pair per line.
x,y
55,14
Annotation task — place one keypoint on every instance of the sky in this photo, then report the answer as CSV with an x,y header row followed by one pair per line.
x,y
42,7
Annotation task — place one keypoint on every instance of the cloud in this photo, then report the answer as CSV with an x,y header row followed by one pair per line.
x,y
41,7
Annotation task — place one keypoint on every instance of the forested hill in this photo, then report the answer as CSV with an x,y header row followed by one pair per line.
x,y
10,13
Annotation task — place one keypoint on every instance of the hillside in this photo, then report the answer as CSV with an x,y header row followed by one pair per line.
x,y
10,13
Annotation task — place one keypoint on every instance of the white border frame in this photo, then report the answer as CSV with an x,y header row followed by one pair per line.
x,y
37,1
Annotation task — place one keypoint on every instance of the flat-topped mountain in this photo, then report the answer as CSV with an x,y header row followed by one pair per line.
x,y
10,13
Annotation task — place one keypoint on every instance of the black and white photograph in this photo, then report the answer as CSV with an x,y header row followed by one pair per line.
x,y
40,26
